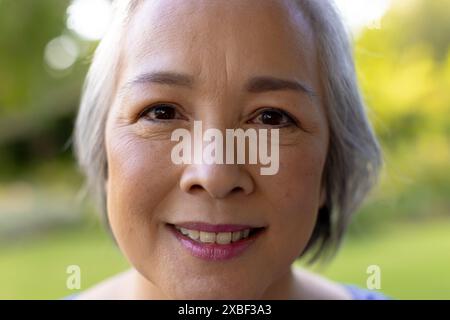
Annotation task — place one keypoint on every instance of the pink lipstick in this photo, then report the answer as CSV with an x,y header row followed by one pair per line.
x,y
215,242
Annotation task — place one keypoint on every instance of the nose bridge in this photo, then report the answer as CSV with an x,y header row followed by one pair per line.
x,y
218,108
220,85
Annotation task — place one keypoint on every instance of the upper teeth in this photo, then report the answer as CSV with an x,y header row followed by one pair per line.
x,y
212,237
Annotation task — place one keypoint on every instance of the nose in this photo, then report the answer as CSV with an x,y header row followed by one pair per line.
x,y
218,180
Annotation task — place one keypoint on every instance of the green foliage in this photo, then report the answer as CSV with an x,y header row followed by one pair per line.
x,y
37,106
404,72
25,28
413,260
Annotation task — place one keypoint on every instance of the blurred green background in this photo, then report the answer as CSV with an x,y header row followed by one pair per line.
x,y
403,63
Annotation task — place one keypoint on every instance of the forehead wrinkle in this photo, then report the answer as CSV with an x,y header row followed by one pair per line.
x,y
295,23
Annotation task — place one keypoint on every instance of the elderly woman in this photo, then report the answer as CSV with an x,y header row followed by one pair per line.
x,y
208,230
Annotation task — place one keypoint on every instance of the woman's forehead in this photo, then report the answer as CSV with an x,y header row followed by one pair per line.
x,y
219,39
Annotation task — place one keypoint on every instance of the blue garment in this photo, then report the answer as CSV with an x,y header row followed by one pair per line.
x,y
358,293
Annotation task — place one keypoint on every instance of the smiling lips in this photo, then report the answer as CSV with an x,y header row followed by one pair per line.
x,y
215,242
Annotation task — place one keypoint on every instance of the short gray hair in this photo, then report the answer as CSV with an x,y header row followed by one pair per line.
x,y
354,157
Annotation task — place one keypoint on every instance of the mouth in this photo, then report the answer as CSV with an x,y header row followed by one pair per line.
x,y
215,242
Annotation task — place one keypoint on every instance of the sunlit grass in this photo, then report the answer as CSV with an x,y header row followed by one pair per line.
x,y
414,259
37,269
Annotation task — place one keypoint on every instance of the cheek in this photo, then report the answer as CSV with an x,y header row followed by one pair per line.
x,y
135,187
295,204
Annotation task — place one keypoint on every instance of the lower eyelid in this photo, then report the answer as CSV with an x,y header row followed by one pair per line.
x,y
170,122
160,121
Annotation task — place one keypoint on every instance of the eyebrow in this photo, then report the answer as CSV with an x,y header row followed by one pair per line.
x,y
163,77
263,84
254,85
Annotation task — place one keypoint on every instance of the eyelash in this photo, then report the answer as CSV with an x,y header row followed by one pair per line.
x,y
154,107
289,119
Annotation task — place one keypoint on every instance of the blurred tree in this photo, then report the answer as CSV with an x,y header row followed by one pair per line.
x,y
26,26
37,104
403,69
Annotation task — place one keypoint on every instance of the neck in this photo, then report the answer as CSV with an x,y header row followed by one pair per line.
x,y
285,287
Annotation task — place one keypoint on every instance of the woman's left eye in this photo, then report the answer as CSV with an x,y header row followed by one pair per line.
x,y
273,117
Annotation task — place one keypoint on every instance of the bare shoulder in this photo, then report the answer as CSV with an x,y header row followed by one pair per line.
x,y
113,288
315,287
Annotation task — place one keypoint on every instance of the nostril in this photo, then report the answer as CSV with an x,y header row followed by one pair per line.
x,y
196,187
237,189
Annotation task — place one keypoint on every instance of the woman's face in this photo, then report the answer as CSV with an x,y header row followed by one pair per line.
x,y
204,60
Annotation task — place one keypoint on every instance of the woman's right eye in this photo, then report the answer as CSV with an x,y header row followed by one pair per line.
x,y
161,112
